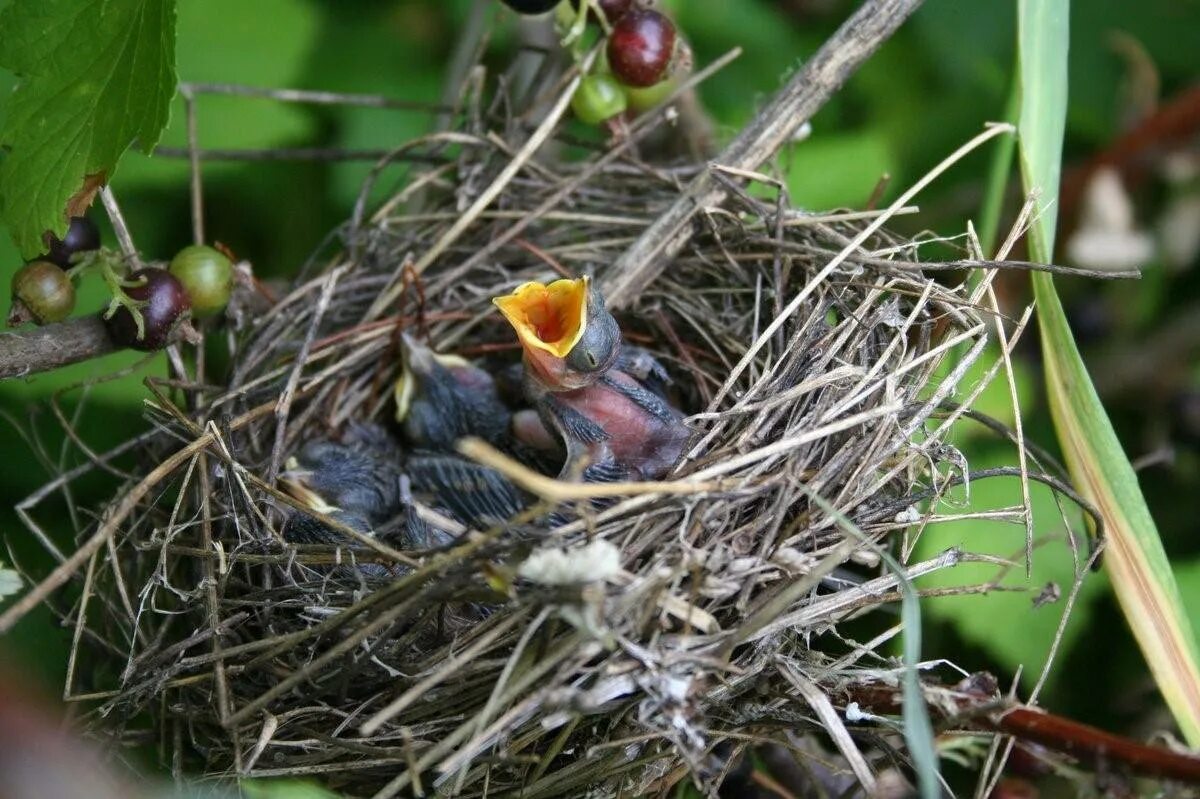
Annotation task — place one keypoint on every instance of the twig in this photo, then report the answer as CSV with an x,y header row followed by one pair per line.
x,y
795,104
1089,744
847,251
108,527
402,702
193,149
531,146
51,346
291,154
818,700
284,406
547,208
311,97
120,228
465,55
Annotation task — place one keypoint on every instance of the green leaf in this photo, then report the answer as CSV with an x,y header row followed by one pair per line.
x,y
264,43
1043,34
837,171
95,75
998,175
384,51
1005,622
1189,585
1139,569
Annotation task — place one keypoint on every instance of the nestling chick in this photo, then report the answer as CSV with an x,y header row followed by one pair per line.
x,y
604,417
442,398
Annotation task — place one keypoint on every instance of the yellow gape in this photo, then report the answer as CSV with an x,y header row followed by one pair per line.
x,y
549,317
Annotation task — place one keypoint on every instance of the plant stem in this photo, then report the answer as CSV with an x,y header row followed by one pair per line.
x,y
796,103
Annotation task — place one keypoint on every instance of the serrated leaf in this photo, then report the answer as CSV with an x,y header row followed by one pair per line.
x,y
94,76
1140,572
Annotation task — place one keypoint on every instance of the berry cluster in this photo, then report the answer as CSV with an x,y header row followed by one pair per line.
x,y
643,57
147,305
42,290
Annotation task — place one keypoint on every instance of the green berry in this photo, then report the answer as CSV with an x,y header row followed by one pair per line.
x,y
597,99
206,275
643,99
44,289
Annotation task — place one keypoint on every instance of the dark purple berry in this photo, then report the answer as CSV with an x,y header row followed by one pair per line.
x,y
613,9
81,236
166,305
41,291
530,6
640,48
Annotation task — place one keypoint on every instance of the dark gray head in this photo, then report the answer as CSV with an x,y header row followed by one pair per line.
x,y
330,476
597,350
442,398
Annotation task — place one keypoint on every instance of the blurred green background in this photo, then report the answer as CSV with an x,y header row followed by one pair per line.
x,y
946,73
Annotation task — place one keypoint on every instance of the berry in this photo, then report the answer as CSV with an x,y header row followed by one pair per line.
x,y
640,48
530,6
163,305
613,9
44,293
646,98
643,99
81,236
206,275
597,99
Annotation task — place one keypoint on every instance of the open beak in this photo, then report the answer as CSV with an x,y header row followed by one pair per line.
x,y
415,359
418,362
548,317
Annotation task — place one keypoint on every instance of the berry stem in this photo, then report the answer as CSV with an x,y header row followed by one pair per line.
x,y
574,22
106,263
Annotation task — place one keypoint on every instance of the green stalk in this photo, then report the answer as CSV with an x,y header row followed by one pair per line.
x,y
1141,574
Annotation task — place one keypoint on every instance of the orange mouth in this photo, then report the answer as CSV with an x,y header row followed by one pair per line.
x,y
548,317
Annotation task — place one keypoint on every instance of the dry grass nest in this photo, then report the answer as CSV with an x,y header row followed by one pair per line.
x,y
240,653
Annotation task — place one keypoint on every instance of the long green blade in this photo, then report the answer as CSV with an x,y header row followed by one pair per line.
x,y
1140,572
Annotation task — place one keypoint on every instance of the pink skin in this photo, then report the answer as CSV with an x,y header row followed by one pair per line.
x,y
637,440
472,378
528,428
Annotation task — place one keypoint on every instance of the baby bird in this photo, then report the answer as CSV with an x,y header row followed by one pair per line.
x,y
359,483
603,416
440,399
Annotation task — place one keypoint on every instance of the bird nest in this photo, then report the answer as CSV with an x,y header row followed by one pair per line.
x,y
609,639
